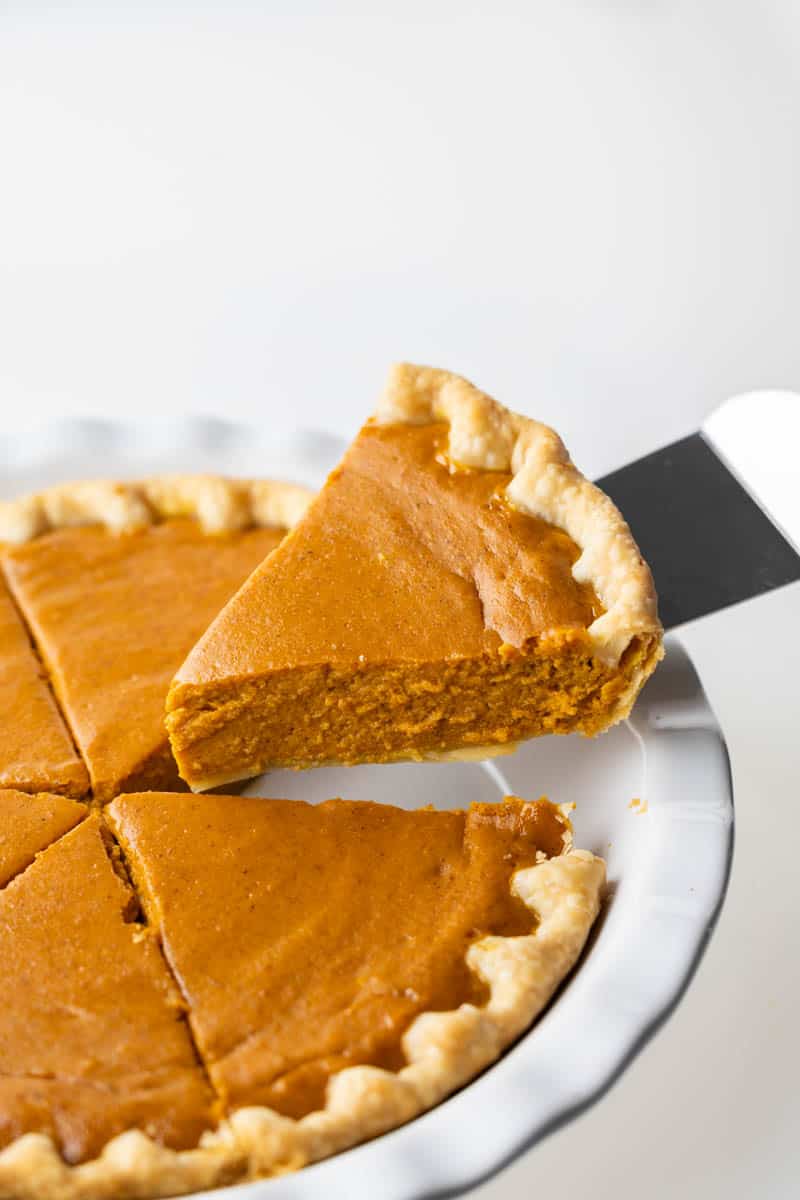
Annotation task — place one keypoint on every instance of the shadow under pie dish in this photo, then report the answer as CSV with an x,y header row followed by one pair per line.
x,y
456,587
115,582
179,1034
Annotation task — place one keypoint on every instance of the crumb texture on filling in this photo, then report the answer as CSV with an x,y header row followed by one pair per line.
x,y
323,714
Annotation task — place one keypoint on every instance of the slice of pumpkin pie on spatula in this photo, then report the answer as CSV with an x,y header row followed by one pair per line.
x,y
456,587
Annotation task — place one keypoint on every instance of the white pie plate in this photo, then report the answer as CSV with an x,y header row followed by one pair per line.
x,y
668,857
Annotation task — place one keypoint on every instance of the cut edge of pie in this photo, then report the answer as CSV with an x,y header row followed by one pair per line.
x,y
38,752
443,1051
39,819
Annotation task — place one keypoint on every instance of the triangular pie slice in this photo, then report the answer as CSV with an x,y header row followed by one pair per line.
x,y
116,582
348,964
29,824
456,586
36,750
92,1038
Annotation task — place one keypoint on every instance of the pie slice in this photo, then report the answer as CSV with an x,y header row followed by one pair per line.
x,y
116,583
346,965
36,751
92,1036
29,824
456,586
343,967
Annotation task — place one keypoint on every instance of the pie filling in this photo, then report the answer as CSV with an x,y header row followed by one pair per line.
x,y
36,751
281,943
29,824
93,1039
326,714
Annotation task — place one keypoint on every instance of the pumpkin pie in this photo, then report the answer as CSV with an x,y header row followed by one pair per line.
x,y
36,750
456,587
116,583
340,968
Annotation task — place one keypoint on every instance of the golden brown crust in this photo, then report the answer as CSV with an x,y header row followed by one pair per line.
x,y
443,1051
545,483
221,505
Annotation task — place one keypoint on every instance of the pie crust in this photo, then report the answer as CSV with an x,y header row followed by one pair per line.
x,y
545,483
443,1049
220,505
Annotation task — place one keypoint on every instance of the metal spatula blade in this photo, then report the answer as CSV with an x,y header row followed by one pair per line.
x,y
717,514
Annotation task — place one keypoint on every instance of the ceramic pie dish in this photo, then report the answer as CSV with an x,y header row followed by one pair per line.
x,y
667,881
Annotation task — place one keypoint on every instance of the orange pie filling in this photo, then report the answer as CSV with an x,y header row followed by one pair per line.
x,y
325,714
92,1036
29,824
36,751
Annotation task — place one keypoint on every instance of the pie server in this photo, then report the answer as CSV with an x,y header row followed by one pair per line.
x,y
717,514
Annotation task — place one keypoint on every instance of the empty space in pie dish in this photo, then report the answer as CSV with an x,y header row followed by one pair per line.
x,y
600,776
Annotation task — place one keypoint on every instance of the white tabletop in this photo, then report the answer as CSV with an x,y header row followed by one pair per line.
x,y
590,209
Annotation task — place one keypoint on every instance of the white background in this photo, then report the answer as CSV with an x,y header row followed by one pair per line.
x,y
592,210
